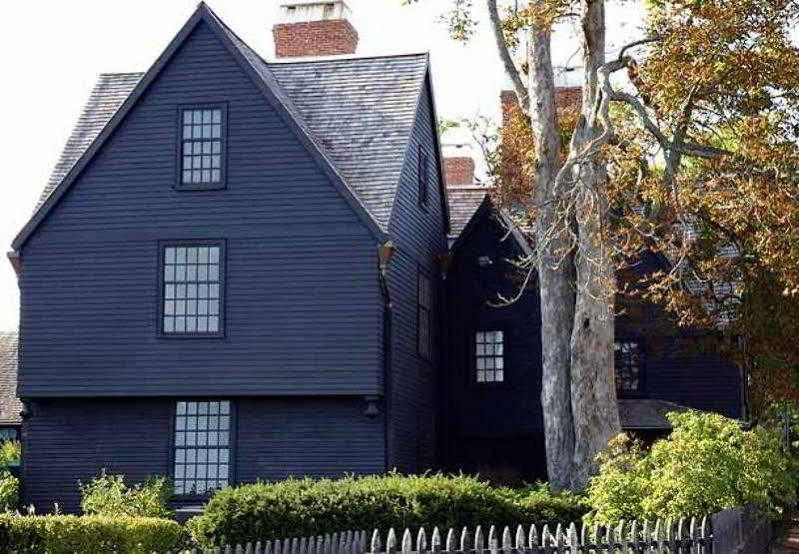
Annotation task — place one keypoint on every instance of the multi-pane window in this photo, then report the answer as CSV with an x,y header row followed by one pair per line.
x,y
490,356
629,361
201,147
423,176
192,289
202,446
424,316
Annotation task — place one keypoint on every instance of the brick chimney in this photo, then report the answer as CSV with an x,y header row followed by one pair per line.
x,y
458,165
314,28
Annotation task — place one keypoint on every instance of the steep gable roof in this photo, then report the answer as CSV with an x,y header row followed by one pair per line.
x,y
10,406
104,98
487,209
354,115
364,110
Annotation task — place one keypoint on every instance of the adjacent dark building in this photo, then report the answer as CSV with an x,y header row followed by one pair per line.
x,y
240,270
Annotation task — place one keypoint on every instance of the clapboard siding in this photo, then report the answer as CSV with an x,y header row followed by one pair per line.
x,y
420,236
303,307
319,437
482,413
68,440
498,429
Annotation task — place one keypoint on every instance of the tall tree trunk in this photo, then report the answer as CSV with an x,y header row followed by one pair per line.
x,y
555,267
593,392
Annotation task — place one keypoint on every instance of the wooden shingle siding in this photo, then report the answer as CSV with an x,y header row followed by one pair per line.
x,y
303,303
420,236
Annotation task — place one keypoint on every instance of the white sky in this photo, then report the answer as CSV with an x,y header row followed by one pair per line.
x,y
52,52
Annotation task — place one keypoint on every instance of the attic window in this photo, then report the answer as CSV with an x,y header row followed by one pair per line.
x,y
423,176
202,147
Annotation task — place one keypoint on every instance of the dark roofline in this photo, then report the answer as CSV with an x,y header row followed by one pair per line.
x,y
486,208
283,107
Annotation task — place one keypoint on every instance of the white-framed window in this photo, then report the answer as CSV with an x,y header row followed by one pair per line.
x,y
489,356
202,446
628,360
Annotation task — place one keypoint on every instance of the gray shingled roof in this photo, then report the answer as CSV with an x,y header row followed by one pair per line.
x,y
10,406
358,112
107,96
463,202
363,109
646,413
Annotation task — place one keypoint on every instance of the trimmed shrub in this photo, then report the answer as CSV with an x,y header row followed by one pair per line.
x,y
109,495
707,464
305,507
9,492
59,534
538,504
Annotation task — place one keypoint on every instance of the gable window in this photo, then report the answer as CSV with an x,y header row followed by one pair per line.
x,y
192,289
202,446
202,148
424,314
423,177
629,360
489,356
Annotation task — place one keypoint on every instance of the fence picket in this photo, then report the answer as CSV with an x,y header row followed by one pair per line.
x,y
451,545
678,536
435,540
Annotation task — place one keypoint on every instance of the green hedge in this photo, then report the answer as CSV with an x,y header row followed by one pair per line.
x,y
305,507
708,463
65,534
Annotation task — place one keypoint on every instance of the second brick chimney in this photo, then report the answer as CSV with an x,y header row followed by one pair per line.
x,y
314,28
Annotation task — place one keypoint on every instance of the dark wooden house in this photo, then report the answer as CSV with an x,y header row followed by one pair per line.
x,y
234,274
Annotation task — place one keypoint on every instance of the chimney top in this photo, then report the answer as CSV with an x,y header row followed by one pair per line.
x,y
314,28
297,11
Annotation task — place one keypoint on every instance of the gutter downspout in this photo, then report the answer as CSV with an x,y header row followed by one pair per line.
x,y
385,253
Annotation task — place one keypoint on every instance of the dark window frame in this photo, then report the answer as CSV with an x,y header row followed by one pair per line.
x,y
641,390
232,446
423,176
161,297
209,186
473,357
422,274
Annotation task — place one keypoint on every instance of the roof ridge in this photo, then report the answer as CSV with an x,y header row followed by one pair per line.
x,y
344,58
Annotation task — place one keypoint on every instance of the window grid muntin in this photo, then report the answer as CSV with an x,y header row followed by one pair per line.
x,y
424,315
489,356
202,451
628,359
192,289
202,146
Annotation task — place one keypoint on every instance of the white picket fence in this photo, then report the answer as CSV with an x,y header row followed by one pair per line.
x,y
685,536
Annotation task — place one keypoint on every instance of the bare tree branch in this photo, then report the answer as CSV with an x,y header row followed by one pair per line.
x,y
507,61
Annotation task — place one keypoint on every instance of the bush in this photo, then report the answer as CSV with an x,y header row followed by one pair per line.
x,y
538,504
10,454
109,495
304,507
707,464
9,492
57,534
